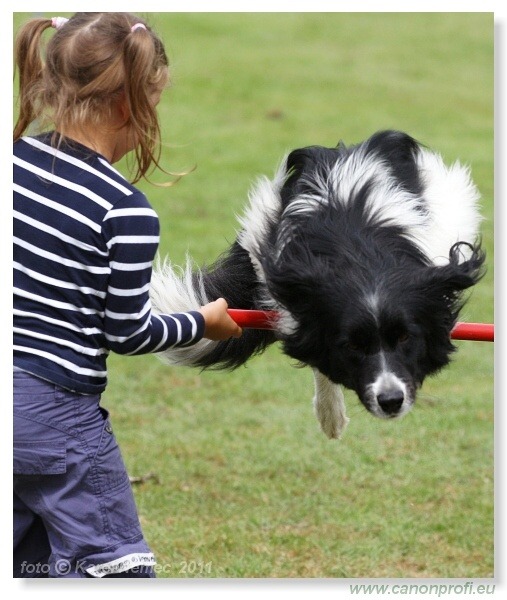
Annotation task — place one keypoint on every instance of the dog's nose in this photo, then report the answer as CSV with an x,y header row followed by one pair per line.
x,y
390,402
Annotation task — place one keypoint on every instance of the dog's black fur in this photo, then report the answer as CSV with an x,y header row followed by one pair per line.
x,y
367,307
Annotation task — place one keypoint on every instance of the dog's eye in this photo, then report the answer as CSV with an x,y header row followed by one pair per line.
x,y
353,346
403,337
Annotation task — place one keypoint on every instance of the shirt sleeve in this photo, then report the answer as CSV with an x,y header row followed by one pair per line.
x,y
131,232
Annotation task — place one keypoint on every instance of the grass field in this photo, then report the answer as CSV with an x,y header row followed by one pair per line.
x,y
246,485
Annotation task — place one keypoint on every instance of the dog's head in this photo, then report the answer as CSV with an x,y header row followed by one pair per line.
x,y
363,299
379,338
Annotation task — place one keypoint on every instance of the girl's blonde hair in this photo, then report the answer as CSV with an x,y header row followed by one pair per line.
x,y
90,62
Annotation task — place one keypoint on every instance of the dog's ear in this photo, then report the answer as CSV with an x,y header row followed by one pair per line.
x,y
465,267
443,286
437,296
301,164
394,146
400,151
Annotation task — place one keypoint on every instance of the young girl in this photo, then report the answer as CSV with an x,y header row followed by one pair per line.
x,y
84,242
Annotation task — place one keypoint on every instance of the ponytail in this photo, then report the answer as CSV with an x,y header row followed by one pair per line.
x,y
29,63
144,63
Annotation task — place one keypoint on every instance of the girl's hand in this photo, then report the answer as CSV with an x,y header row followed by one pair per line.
x,y
219,325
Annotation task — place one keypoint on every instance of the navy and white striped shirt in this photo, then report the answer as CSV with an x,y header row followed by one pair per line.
x,y
84,242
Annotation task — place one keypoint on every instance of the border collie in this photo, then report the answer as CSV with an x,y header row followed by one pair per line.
x,y
364,252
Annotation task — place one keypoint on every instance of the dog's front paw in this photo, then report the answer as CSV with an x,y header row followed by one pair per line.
x,y
332,418
334,429
329,405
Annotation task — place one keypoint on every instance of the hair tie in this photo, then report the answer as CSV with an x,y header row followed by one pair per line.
x,y
137,26
58,22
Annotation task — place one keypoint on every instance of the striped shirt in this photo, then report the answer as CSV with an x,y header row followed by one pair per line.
x,y
84,242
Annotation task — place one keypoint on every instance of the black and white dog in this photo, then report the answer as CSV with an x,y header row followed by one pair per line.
x,y
364,252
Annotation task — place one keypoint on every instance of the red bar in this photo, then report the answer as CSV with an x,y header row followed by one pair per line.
x,y
265,319
253,319
478,332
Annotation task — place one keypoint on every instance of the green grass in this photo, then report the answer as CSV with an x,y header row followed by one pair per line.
x,y
247,485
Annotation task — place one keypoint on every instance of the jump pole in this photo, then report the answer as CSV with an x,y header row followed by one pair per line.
x,y
265,319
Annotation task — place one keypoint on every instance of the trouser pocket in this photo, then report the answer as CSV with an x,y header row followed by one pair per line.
x,y
39,448
113,483
40,457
